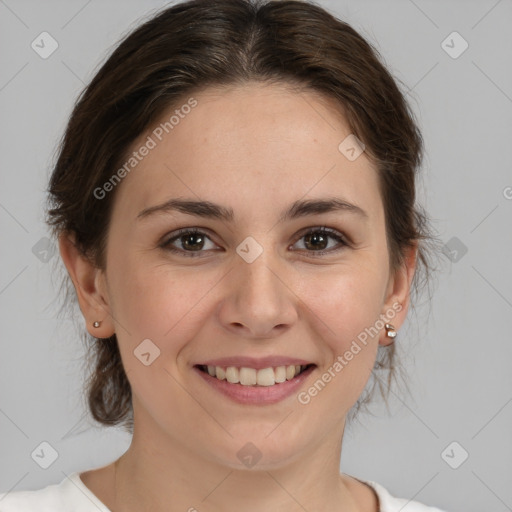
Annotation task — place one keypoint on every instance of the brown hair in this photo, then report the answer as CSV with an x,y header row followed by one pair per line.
x,y
201,43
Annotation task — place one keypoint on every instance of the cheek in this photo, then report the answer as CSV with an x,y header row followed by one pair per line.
x,y
158,302
347,300
345,306
343,309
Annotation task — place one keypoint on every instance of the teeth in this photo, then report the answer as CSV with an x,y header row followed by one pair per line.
x,y
232,374
247,376
280,374
266,377
252,377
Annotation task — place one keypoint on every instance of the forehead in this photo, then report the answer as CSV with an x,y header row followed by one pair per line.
x,y
248,146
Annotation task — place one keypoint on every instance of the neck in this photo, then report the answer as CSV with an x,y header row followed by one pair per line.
x,y
161,475
148,477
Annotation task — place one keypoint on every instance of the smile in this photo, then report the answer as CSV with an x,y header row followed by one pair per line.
x,y
252,377
247,385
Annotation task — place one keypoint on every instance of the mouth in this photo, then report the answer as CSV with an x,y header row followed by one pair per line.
x,y
255,386
246,376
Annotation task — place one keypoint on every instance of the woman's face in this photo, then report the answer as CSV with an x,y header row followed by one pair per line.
x,y
253,289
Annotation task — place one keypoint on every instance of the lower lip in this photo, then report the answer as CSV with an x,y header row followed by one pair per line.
x,y
257,395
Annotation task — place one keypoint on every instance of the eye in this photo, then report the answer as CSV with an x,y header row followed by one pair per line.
x,y
191,241
316,241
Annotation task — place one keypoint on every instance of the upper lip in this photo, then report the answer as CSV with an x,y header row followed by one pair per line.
x,y
256,363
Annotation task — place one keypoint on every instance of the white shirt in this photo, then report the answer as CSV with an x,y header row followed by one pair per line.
x,y
72,495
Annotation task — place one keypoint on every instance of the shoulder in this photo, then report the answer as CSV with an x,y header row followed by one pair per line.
x,y
389,503
70,494
42,500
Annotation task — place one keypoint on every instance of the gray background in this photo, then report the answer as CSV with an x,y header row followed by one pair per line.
x,y
458,356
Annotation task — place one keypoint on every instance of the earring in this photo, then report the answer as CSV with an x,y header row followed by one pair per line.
x,y
390,331
96,324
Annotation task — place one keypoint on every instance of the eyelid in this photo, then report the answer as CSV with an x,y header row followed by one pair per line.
x,y
324,229
342,239
175,235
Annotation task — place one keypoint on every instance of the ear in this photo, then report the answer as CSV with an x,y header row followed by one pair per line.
x,y
397,300
90,286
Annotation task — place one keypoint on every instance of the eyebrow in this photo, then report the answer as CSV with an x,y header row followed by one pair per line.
x,y
298,209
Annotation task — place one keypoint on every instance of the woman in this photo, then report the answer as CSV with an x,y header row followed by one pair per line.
x,y
234,201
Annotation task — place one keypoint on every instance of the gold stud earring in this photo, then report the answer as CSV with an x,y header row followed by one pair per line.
x,y
96,324
390,331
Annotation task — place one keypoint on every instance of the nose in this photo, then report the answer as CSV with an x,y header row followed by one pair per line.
x,y
259,301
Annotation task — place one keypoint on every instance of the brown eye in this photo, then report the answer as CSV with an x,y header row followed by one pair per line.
x,y
188,242
193,241
317,241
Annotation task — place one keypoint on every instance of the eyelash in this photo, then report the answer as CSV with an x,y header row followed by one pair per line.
x,y
194,231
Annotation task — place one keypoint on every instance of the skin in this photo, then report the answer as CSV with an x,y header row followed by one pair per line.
x,y
256,149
